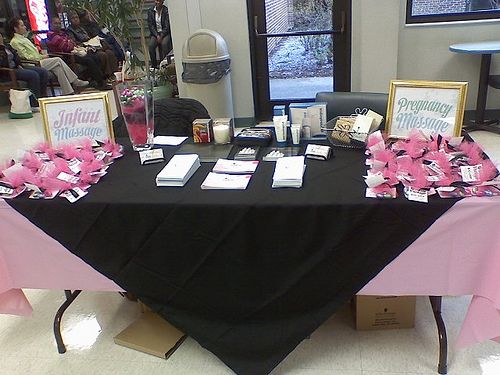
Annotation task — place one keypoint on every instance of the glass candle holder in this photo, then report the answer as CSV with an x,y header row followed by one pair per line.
x,y
223,130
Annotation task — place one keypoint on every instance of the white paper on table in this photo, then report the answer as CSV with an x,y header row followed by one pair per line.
x,y
374,179
416,195
226,181
235,166
168,140
289,168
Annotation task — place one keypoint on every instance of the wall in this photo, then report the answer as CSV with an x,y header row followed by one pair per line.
x,y
382,51
375,28
383,48
423,53
228,18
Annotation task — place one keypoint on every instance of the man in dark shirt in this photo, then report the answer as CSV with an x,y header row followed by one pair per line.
x,y
159,28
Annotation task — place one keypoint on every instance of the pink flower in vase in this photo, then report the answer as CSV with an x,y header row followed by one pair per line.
x,y
136,115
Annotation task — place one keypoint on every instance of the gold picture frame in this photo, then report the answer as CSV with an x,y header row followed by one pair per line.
x,y
434,107
73,117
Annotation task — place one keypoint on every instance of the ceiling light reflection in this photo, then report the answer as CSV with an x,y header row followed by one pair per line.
x,y
80,331
490,365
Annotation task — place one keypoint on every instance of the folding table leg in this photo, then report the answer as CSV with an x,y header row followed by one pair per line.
x,y
443,340
70,297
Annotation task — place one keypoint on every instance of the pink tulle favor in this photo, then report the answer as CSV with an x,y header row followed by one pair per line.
x,y
54,171
450,166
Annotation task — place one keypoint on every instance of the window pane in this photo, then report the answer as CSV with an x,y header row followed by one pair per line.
x,y
300,66
298,15
419,11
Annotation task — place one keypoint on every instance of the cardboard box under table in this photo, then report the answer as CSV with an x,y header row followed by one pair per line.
x,y
151,334
384,312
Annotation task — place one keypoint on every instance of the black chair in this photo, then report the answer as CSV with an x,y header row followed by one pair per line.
x,y
346,103
494,81
8,79
174,116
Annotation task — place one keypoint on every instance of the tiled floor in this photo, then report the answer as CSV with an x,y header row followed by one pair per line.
x,y
27,345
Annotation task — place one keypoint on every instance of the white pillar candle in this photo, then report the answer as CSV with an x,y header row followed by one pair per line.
x,y
222,134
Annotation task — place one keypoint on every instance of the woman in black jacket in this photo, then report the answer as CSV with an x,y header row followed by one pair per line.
x,y
36,77
159,28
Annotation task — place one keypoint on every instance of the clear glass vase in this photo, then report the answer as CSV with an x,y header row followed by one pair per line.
x,y
136,102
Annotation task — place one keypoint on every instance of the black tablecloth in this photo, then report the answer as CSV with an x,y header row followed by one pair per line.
x,y
248,274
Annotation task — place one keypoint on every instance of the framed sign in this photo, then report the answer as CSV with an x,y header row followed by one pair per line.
x,y
434,107
70,118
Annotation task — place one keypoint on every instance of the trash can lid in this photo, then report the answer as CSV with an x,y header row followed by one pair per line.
x,y
204,46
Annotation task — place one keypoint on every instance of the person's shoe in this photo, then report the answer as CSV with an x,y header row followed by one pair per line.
x,y
35,109
105,86
79,83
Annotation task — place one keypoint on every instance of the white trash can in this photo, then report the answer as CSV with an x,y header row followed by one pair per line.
x,y
207,73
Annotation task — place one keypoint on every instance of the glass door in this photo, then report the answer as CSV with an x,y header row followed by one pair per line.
x,y
299,47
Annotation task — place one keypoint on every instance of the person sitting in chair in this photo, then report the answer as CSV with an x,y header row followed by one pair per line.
x,y
93,29
35,77
59,41
159,28
28,51
109,63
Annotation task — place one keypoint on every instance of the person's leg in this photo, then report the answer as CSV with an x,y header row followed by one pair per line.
x,y
72,77
33,80
43,74
165,47
116,47
100,58
111,61
53,64
94,71
153,43
105,62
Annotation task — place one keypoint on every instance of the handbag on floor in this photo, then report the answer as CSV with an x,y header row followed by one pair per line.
x,y
20,104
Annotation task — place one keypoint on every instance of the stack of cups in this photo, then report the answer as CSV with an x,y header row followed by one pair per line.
x,y
280,125
296,130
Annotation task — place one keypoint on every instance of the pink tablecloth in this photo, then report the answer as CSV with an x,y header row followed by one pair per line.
x,y
458,255
29,258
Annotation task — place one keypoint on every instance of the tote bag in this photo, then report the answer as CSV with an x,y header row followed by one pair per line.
x,y
20,104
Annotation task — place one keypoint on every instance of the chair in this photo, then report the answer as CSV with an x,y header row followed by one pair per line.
x,y
52,83
174,116
494,81
8,80
345,103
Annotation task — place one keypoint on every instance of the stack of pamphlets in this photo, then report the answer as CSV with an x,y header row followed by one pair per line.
x,y
275,153
178,170
289,172
230,174
318,152
247,153
216,181
235,166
